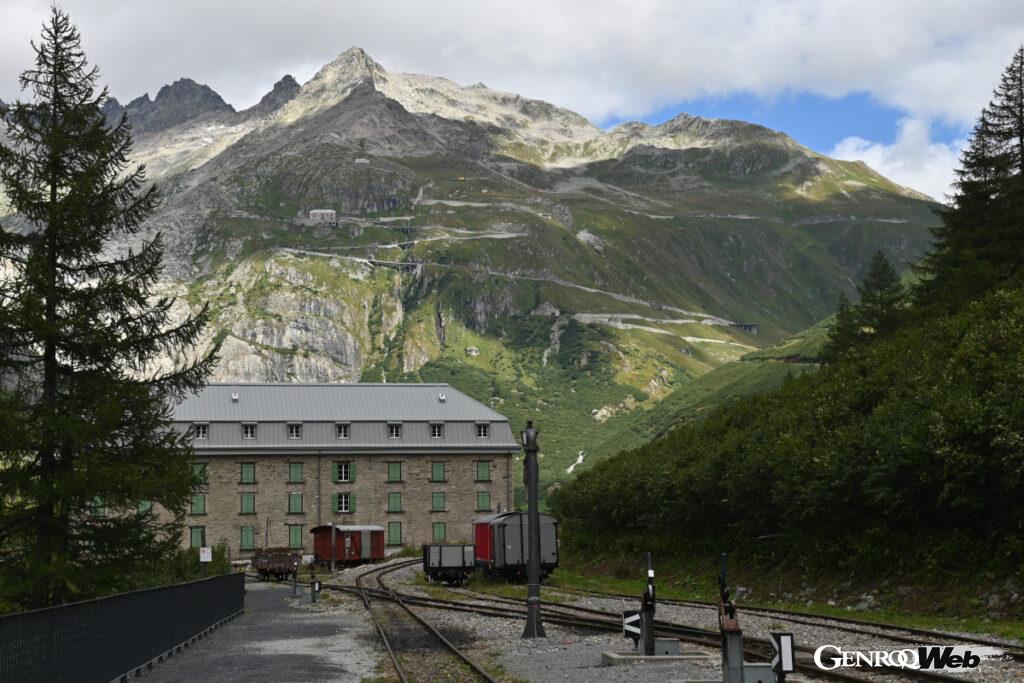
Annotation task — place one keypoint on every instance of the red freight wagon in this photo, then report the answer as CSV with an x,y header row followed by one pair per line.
x,y
352,543
502,544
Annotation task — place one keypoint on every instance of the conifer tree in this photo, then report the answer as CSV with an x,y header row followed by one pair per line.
x,y
87,447
843,332
980,244
882,298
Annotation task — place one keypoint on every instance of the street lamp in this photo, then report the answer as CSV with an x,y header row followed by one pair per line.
x,y
531,477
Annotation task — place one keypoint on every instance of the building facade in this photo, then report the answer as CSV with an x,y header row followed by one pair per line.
x,y
420,460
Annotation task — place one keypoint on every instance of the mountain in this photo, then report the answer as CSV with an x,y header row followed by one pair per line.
x,y
548,267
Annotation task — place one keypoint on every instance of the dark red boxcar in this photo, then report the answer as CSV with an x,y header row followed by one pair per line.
x,y
502,542
352,543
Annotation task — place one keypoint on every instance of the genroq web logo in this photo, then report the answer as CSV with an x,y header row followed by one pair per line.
x,y
924,657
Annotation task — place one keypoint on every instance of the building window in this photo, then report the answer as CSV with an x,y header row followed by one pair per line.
x,y
248,431
343,472
295,536
294,503
200,431
295,473
394,502
437,471
199,472
483,470
199,504
483,431
145,507
341,431
436,431
344,502
97,508
197,536
294,430
437,501
394,431
394,533
248,540
394,471
439,532
483,501
248,504
247,475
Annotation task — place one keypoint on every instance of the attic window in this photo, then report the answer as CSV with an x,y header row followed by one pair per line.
x,y
294,430
200,430
394,431
341,430
483,431
437,431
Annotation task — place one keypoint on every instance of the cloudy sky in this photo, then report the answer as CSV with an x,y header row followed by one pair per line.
x,y
896,83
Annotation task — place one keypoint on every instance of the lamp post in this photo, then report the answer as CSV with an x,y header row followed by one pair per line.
x,y
531,477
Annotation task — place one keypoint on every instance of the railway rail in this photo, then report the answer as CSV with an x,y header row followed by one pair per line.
x,y
575,616
385,593
896,633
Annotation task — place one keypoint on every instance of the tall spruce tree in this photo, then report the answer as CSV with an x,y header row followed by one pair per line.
x,y
980,243
883,301
87,446
883,298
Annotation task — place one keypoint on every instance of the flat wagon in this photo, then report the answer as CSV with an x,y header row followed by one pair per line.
x,y
278,563
449,563
353,543
502,544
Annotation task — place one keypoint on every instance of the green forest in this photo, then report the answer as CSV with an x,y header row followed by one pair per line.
x,y
903,455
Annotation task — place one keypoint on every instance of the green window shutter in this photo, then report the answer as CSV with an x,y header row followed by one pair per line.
x,y
351,502
394,533
352,472
295,536
199,471
394,471
394,502
439,532
437,471
199,504
197,536
334,471
334,502
437,501
248,504
247,539
248,474
294,502
483,501
483,471
295,473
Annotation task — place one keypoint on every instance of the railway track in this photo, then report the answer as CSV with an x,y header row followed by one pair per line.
x,y
574,616
899,634
374,598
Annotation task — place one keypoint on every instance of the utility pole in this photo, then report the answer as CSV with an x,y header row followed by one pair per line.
x,y
531,477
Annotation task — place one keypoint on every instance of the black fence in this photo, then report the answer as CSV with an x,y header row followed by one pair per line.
x,y
106,638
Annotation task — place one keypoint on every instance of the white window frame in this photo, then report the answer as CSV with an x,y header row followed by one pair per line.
x,y
295,431
248,432
343,471
342,430
394,431
343,505
202,430
437,430
483,430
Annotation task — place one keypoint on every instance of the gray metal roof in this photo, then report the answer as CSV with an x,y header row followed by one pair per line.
x,y
332,402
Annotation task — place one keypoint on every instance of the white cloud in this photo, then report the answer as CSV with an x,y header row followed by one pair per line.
x,y
913,159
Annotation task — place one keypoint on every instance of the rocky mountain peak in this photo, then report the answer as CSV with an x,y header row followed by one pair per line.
x,y
352,65
181,101
283,92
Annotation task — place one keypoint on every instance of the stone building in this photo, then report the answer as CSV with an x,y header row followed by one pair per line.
x,y
329,216
420,460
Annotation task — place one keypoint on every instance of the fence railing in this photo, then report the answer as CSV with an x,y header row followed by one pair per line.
x,y
106,638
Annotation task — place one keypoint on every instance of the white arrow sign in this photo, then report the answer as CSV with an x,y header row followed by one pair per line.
x,y
627,623
782,662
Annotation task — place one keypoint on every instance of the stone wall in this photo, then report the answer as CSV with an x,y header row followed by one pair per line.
x,y
223,518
